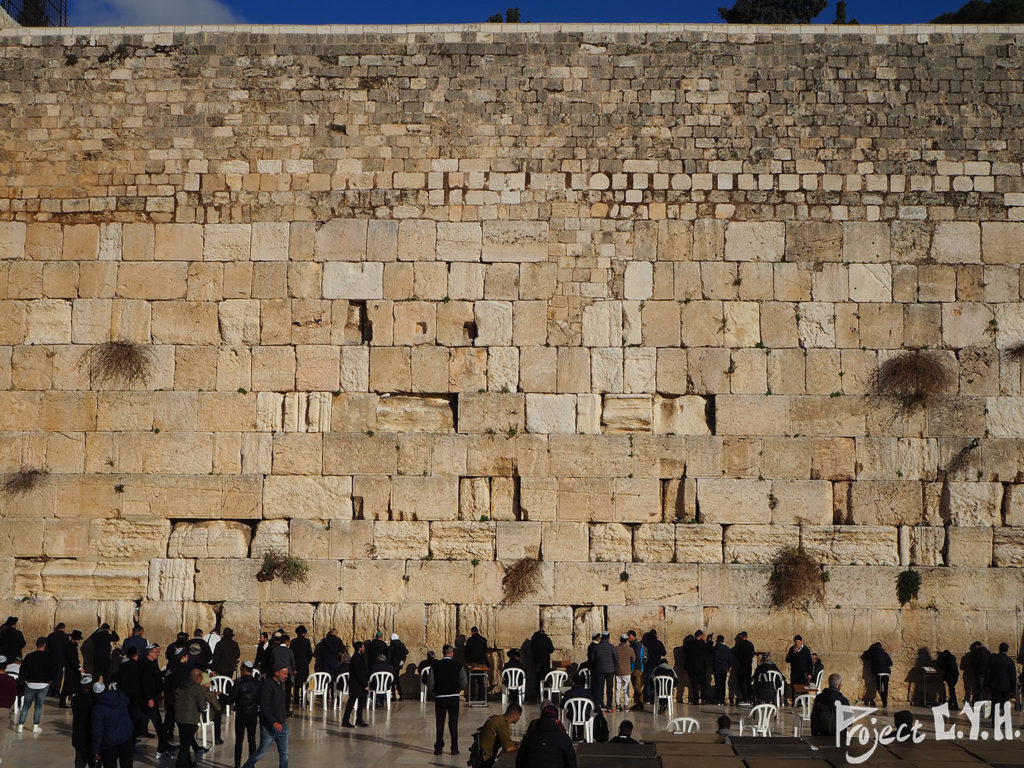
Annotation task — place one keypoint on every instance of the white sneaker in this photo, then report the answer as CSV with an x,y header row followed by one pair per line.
x,y
21,727
37,729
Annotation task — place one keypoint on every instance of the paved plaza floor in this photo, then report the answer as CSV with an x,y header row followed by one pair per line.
x,y
405,735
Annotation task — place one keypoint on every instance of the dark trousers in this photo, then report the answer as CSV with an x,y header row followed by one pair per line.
x,y
601,688
84,758
121,754
300,680
245,728
697,691
186,743
720,675
58,676
72,679
152,715
169,717
745,688
446,707
355,697
952,695
882,683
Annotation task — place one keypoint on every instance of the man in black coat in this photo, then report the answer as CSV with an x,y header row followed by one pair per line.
x,y
546,745
102,640
176,675
980,658
57,646
800,662
129,682
695,651
950,676
332,650
273,718
880,664
150,687
82,703
449,682
397,654
541,649
1002,676
376,647
476,655
302,651
743,660
12,642
72,669
245,698
654,652
199,651
358,687
226,654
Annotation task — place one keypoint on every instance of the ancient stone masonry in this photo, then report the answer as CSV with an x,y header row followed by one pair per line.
x,y
418,303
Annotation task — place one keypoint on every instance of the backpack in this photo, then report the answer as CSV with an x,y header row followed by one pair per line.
x,y
601,733
476,753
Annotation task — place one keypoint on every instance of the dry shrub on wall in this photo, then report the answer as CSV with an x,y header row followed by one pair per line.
x,y
914,379
278,565
521,580
20,483
797,579
118,362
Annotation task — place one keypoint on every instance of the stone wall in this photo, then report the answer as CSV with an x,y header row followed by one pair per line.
x,y
422,302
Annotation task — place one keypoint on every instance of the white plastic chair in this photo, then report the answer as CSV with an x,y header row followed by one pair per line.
x,y
424,682
340,689
18,698
761,717
802,706
579,713
819,679
513,679
779,682
586,677
664,688
205,723
380,683
553,681
255,674
683,725
222,684
318,685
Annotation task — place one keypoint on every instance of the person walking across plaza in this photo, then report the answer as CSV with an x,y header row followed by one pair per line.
x,y
245,698
449,682
273,719
37,672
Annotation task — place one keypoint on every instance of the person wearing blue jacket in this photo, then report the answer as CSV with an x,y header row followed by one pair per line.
x,y
112,729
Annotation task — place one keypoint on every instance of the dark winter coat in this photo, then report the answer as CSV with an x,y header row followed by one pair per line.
x,y
244,695
111,723
226,656
799,664
546,746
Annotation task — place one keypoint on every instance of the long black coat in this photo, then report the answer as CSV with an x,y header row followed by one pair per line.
x,y
1002,674
799,664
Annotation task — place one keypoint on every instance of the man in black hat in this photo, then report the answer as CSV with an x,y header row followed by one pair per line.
x,y
302,651
56,647
72,669
102,639
12,642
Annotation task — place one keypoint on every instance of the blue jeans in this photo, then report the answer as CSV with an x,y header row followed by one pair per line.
x,y
33,696
269,736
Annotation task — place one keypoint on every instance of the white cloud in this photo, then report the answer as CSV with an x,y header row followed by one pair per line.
x,y
151,12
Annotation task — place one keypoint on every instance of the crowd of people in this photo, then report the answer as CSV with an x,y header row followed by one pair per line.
x,y
122,691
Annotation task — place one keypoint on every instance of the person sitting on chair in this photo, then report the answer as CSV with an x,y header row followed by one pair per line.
x,y
625,734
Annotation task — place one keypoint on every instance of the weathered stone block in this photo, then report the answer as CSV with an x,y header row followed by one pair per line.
x,y
627,413
733,501
755,240
462,540
353,281
1008,548
425,498
171,580
698,543
213,538
852,545
515,241
135,538
547,414
971,547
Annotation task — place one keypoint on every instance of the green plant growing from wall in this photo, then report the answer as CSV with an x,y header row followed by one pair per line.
x,y
287,568
796,580
908,585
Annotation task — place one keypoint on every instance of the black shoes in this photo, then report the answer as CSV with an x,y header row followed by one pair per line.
x,y
438,751
347,724
363,724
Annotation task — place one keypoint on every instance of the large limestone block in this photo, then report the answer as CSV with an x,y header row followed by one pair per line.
x,y
637,499
400,540
462,540
474,498
270,536
638,280
1004,416
605,369
538,498
611,542
565,541
972,547
755,240
137,538
236,497
341,240
757,543
211,538
227,242
328,616
813,241
896,502
853,544
491,412
515,241
734,585
684,415
662,584
322,583
871,282
1008,548
971,588
297,454
957,242
273,614
654,543
801,502
816,324
975,503
585,499
1014,512
459,241
404,414
425,498
331,539
589,584
362,281
546,414
752,415
354,454
171,579
627,413
602,324
431,580
48,321
698,543
185,322
21,537
96,581
966,324
515,540
12,240
493,323
733,501
926,545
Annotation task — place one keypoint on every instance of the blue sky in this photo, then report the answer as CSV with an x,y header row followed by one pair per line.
x,y
119,12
